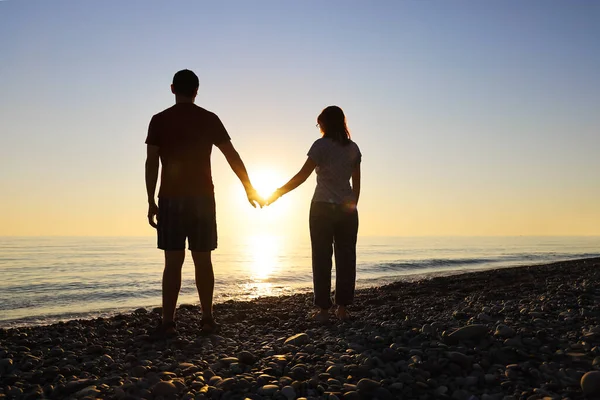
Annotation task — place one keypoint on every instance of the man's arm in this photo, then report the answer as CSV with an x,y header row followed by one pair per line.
x,y
238,167
297,180
152,162
356,181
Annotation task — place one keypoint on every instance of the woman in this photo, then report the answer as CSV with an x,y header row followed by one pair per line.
x,y
333,214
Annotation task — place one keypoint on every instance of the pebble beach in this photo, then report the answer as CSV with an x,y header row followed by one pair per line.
x,y
514,333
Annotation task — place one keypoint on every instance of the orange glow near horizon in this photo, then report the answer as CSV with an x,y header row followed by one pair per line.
x,y
461,134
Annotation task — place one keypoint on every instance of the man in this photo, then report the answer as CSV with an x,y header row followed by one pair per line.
x,y
181,137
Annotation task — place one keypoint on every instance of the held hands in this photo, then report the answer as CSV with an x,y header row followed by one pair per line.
x,y
273,197
254,198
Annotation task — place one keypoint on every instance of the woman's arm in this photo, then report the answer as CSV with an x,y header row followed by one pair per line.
x,y
297,180
356,181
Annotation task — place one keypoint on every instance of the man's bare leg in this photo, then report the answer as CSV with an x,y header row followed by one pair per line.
x,y
205,282
171,283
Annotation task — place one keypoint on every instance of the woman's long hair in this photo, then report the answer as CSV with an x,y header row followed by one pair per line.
x,y
332,123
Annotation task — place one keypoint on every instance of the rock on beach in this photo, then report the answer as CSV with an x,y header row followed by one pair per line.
x,y
469,332
492,335
298,339
590,383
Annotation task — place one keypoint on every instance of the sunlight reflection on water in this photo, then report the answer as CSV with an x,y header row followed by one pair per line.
x,y
265,252
50,279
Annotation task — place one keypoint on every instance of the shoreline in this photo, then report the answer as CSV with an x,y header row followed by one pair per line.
x,y
361,284
536,333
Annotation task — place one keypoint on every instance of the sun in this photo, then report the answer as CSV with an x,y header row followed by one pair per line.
x,y
266,182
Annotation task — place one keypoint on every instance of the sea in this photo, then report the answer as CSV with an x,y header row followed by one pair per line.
x,y
44,280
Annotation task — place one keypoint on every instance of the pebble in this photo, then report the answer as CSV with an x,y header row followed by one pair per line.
x,y
6,364
484,317
471,381
460,394
590,383
504,331
352,396
288,392
469,332
235,368
246,357
88,391
382,393
513,342
298,339
14,391
367,385
459,358
268,390
334,370
139,371
427,329
389,355
56,352
164,388
405,378
229,360
77,385
214,381
226,384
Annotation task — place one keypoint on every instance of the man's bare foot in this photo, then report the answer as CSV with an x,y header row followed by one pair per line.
x,y
321,315
342,313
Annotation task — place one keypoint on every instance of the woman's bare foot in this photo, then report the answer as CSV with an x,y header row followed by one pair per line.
x,y
342,313
321,315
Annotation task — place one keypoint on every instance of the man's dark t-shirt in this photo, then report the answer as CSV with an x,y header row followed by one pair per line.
x,y
185,135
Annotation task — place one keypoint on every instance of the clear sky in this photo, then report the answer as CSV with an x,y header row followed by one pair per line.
x,y
474,118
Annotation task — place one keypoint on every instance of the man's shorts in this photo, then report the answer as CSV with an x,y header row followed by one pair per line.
x,y
193,218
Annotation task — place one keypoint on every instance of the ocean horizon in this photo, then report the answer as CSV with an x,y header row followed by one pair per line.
x,y
51,279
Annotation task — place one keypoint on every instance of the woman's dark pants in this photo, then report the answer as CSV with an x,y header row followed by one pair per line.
x,y
333,229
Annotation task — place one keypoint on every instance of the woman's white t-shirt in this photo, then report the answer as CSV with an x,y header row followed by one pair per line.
x,y
335,164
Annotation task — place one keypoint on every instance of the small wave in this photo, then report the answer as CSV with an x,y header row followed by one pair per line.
x,y
288,279
457,263
428,263
49,319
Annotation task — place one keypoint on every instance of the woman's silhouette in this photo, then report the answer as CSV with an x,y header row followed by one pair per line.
x,y
333,213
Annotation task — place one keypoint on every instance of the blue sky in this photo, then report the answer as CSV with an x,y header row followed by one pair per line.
x,y
474,118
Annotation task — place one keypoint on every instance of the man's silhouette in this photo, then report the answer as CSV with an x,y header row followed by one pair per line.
x,y
181,138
